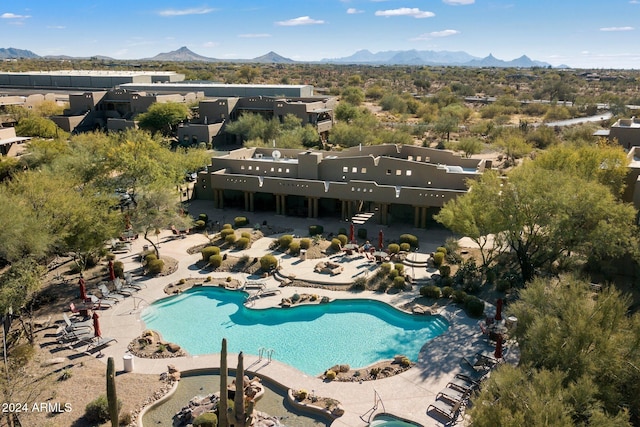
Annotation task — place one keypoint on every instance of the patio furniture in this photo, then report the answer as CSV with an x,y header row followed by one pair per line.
x,y
448,410
107,294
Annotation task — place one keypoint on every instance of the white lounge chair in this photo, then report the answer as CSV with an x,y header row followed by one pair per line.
x,y
446,409
70,336
123,290
98,303
98,342
107,294
129,283
452,395
74,326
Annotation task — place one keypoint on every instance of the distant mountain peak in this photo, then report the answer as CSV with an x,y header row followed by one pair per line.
x,y
13,53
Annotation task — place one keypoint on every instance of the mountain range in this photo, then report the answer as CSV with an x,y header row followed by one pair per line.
x,y
364,57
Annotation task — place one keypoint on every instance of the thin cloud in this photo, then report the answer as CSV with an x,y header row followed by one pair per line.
x,y
458,2
634,1
617,29
9,15
302,20
254,36
406,11
56,27
353,11
184,12
436,34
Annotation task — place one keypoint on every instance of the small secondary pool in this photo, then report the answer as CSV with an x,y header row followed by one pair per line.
x,y
311,338
387,420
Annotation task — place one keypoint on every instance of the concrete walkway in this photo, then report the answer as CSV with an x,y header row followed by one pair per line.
x,y
406,395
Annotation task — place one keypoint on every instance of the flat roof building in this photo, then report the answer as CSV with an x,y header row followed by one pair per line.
x,y
391,183
215,90
83,79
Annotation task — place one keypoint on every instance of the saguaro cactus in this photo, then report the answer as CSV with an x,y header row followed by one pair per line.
x,y
224,394
238,407
112,396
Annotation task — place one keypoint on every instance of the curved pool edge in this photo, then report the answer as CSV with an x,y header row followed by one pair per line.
x,y
158,402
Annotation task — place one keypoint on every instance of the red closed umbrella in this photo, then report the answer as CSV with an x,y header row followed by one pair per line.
x,y
96,325
499,309
380,240
83,289
498,353
351,233
112,273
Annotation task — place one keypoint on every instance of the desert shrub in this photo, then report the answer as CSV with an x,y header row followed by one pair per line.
x,y
410,239
284,241
230,239
111,256
459,296
393,274
330,375
343,239
383,286
199,224
335,244
452,246
240,221
150,257
301,394
22,353
242,243
125,419
474,306
118,269
438,258
360,284
399,267
385,267
155,266
267,262
342,230
398,282
405,247
215,261
394,248
447,291
294,248
430,291
246,235
97,411
441,249
208,279
315,230
208,251
305,243
208,419
445,270
226,232
469,275
203,217
362,233
405,362
226,226
295,297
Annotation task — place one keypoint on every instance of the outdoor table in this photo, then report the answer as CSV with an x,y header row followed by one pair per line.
x,y
350,247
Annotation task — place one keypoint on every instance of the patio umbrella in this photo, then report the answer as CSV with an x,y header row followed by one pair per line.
x,y
499,309
112,273
498,353
351,233
96,325
83,289
380,240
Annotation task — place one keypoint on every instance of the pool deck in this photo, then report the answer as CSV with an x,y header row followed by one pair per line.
x,y
406,395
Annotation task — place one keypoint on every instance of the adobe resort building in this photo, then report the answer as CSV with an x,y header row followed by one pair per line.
x,y
390,183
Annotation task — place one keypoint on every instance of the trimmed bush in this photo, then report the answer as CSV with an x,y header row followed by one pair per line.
x,y
240,221
305,243
447,291
335,244
226,226
230,239
362,233
445,270
459,296
430,291
393,274
398,282
342,230
200,224
268,262
343,239
284,241
330,375
441,249
203,217
155,266
394,248
215,261
294,248
149,257
226,231
399,267
242,243
208,419
118,269
385,267
208,251
474,306
315,230
438,258
405,247
410,239
246,235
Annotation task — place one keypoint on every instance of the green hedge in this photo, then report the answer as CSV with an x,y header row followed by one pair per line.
x,y
230,239
226,231
203,217
335,244
226,226
343,239
438,258
208,419
246,235
155,266
314,230
215,261
243,243
305,243
284,241
267,262
294,248
410,239
398,282
208,251
394,248
474,306
405,247
240,221
430,291
399,267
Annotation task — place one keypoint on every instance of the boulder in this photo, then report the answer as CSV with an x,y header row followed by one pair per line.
x,y
173,347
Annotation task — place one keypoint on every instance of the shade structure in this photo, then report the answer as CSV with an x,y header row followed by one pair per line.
x,y
112,273
380,239
83,289
352,236
499,309
498,353
96,325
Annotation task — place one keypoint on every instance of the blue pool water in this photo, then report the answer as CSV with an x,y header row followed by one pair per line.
x,y
312,338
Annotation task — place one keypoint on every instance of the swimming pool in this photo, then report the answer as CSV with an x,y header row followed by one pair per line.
x,y
311,338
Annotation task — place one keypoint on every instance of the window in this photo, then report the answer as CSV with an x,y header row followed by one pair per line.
x,y
241,167
388,171
257,168
354,170
398,172
250,168
408,172
345,169
363,170
287,170
418,158
279,169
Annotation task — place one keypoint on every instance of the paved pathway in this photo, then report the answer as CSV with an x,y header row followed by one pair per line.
x,y
407,395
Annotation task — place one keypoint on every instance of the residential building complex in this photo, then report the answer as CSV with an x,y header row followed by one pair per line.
x,y
83,79
626,132
392,183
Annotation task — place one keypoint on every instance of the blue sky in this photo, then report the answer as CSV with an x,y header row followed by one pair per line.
x,y
579,33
